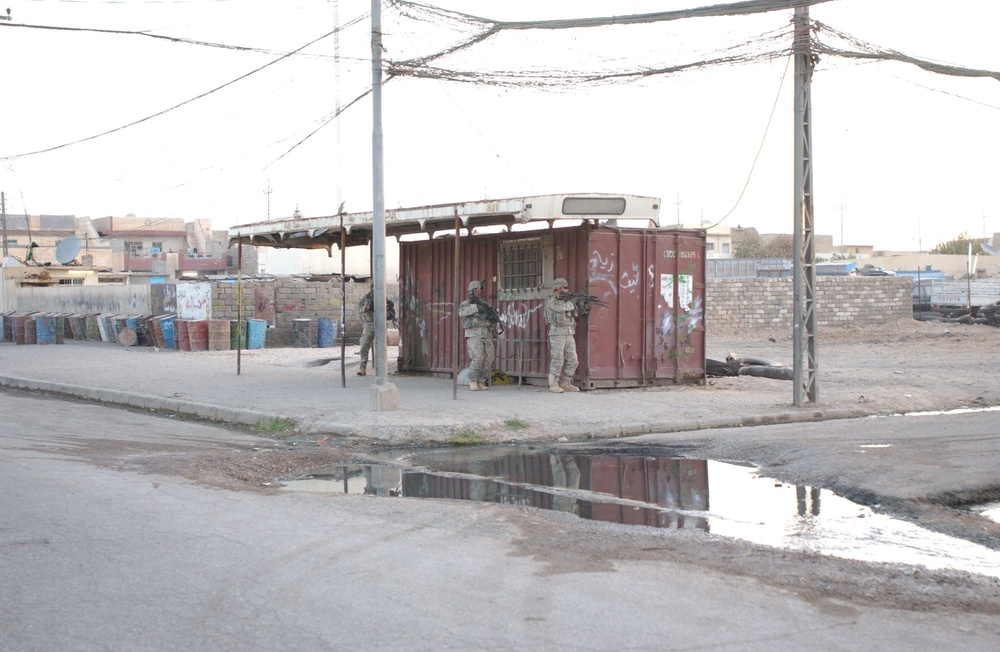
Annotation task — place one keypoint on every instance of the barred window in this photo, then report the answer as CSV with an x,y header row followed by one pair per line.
x,y
133,248
521,265
71,281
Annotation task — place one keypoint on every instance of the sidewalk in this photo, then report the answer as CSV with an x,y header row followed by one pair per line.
x,y
304,385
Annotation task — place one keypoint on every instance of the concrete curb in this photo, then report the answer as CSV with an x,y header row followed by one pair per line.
x,y
144,401
405,434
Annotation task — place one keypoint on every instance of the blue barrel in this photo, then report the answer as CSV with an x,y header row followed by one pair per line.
x,y
326,332
256,330
45,329
167,328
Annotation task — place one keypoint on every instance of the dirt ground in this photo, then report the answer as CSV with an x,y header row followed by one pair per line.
x,y
908,365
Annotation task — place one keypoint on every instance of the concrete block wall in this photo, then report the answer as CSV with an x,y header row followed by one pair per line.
x,y
840,301
298,298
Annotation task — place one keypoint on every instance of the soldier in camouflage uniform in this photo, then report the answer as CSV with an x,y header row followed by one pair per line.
x,y
366,310
561,315
478,338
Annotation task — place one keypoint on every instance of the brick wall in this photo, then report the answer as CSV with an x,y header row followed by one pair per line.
x,y
840,301
739,303
298,298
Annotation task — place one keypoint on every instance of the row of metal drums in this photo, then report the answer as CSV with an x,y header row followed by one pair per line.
x,y
162,331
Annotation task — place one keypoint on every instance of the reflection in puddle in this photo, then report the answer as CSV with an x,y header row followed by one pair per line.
x,y
663,492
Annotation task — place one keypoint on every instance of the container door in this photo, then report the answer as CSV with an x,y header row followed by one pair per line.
x,y
680,310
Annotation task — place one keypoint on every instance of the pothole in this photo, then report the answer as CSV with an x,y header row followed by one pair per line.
x,y
664,492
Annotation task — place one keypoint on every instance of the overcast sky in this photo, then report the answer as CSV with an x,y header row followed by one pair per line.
x,y
900,154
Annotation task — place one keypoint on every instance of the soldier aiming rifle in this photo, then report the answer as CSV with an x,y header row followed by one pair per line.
x,y
366,310
583,301
480,321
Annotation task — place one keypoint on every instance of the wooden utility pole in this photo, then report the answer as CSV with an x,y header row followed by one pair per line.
x,y
804,276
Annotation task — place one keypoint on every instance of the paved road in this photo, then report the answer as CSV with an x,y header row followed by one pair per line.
x,y
94,558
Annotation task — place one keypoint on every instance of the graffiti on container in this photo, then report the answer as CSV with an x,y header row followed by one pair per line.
x,y
630,282
517,315
602,270
686,323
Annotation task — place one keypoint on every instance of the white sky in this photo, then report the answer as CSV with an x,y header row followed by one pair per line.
x,y
899,153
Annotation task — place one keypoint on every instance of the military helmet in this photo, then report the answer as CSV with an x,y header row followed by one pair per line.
x,y
474,285
559,284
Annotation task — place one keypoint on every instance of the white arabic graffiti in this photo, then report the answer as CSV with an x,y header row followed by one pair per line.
x,y
602,270
518,315
630,283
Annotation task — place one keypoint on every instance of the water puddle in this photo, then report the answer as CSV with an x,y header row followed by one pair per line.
x,y
961,410
664,492
989,510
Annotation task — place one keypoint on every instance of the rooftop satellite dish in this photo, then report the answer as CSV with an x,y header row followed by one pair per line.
x,y
67,250
990,250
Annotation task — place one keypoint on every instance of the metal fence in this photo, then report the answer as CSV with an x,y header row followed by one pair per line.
x,y
748,267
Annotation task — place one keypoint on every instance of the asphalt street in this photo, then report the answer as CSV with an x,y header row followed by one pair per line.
x,y
99,558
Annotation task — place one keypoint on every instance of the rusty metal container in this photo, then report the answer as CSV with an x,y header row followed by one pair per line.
x,y
650,332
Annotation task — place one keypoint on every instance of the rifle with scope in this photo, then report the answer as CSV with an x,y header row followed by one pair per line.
x,y
489,312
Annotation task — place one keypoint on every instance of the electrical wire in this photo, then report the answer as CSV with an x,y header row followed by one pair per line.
x,y
163,37
168,110
763,139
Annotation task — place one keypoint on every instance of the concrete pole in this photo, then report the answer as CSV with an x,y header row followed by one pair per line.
x,y
3,206
805,358
384,395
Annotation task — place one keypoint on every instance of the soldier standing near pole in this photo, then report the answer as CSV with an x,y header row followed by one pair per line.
x,y
366,310
560,315
479,319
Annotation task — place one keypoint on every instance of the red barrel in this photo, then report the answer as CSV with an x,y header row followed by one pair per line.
x,y
198,334
181,334
29,330
18,333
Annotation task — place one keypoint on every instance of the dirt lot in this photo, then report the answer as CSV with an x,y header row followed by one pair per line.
x,y
905,366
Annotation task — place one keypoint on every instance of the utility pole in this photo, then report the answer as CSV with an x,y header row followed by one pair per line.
x,y
268,193
3,207
678,203
804,275
384,395
842,249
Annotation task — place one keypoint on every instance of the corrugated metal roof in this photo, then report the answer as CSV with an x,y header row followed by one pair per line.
x,y
324,232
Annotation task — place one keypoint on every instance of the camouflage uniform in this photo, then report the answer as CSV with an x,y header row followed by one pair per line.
x,y
366,310
478,340
561,315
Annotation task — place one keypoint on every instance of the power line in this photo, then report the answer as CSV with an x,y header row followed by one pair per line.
x,y
168,110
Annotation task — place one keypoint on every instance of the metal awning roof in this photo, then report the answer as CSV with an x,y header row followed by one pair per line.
x,y
324,232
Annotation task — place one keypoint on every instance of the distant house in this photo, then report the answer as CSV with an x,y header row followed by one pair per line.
x,y
168,247
46,231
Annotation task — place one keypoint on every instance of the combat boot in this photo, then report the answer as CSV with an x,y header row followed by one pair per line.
x,y
568,386
362,371
554,385
473,385
484,386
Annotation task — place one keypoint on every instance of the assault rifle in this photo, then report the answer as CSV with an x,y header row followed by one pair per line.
x,y
580,298
390,308
488,311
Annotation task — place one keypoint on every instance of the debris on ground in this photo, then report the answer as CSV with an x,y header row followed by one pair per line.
x,y
746,366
